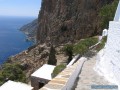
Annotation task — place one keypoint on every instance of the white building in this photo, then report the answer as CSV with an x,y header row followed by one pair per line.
x,y
105,32
108,63
42,76
11,85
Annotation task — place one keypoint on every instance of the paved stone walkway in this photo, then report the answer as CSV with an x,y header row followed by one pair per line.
x,y
89,77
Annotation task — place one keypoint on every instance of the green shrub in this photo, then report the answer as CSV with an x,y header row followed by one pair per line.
x,y
2,80
12,72
107,13
52,58
83,46
58,69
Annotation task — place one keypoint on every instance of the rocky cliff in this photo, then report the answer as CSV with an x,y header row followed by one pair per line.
x,y
62,21
30,30
59,22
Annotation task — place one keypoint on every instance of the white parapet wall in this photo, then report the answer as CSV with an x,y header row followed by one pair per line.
x,y
117,15
11,85
108,61
71,81
74,60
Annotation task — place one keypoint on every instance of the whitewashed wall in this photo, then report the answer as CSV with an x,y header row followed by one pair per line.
x,y
108,63
117,15
108,60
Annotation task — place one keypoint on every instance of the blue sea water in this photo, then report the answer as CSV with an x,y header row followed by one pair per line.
x,y
12,40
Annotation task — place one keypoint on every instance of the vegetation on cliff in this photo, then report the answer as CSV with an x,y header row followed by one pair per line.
x,y
107,13
69,20
12,72
83,46
30,30
58,69
52,58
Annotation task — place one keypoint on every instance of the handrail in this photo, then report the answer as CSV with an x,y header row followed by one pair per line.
x,y
71,81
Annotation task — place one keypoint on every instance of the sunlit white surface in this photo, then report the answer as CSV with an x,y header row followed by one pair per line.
x,y
117,15
44,72
11,85
108,60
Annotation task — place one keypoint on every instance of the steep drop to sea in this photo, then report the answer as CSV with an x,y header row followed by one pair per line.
x,y
12,41
61,22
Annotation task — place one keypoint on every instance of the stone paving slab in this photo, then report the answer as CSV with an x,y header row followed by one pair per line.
x,y
89,77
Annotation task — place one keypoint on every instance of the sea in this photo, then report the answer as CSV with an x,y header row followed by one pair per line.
x,y
12,40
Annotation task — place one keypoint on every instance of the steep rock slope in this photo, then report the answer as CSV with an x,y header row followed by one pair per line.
x,y
30,29
62,21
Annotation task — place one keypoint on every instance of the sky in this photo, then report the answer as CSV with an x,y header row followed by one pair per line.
x,y
20,7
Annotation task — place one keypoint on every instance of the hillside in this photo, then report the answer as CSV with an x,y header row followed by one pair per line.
x,y
30,29
60,22
68,20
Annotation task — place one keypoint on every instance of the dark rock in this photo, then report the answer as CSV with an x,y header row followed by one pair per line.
x,y
62,21
30,48
30,30
44,54
25,66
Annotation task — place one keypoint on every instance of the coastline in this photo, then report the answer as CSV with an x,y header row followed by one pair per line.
x,y
33,58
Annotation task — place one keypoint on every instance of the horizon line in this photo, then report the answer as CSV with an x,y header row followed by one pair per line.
x,y
17,16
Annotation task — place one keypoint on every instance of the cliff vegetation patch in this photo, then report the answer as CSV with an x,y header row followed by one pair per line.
x,y
107,13
12,72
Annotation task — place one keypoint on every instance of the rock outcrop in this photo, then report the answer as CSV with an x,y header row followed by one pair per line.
x,y
30,30
62,21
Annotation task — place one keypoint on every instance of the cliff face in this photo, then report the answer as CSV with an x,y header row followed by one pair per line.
x,y
62,21
30,30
